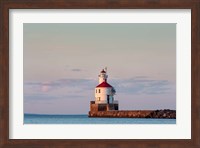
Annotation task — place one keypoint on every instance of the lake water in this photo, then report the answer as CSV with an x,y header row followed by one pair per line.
x,y
84,119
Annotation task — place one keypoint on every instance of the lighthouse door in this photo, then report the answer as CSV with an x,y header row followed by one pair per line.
x,y
108,99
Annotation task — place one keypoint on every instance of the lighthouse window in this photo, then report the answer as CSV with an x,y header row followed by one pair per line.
x,y
96,90
99,90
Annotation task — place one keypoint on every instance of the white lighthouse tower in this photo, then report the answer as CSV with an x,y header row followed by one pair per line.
x,y
103,76
104,94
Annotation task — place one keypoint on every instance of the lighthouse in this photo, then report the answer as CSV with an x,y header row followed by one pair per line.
x,y
104,94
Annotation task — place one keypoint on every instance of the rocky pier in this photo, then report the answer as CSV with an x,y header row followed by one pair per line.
x,y
166,113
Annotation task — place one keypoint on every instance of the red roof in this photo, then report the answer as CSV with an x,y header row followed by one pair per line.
x,y
104,84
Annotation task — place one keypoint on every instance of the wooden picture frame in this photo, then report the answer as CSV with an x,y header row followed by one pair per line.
x,y
6,5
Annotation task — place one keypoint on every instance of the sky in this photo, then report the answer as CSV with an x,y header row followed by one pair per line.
x,y
62,63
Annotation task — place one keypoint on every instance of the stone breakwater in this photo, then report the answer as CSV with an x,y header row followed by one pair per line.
x,y
166,113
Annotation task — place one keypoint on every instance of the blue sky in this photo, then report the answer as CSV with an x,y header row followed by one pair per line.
x,y
62,63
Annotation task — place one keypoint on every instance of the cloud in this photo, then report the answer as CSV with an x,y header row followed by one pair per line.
x,y
75,84
76,70
142,85
76,93
74,88
38,96
45,87
38,86
70,68
50,97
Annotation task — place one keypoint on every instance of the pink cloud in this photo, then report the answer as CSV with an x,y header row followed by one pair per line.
x,y
45,87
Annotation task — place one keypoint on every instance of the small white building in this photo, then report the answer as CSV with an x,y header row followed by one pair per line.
x,y
104,96
104,92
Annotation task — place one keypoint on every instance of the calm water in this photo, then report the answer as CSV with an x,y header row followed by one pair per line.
x,y
84,119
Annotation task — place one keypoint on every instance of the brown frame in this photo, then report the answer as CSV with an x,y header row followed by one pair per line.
x,y
5,5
